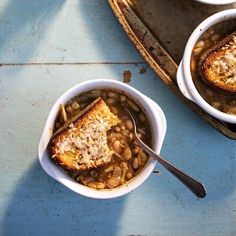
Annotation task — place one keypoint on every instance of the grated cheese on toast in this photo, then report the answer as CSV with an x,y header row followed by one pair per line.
x,y
83,145
218,66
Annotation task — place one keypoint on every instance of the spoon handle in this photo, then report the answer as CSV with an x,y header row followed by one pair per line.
x,y
195,186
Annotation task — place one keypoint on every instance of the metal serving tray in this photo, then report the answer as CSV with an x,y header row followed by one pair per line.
x,y
159,29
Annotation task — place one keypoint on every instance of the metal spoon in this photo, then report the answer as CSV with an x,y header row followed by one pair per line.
x,y
196,187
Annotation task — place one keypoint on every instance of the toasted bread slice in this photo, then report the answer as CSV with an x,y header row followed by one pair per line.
x,y
218,65
83,144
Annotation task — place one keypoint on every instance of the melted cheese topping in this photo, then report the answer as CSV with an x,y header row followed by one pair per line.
x,y
88,143
224,66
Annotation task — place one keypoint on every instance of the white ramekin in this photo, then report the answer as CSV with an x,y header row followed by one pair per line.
x,y
151,109
216,2
184,78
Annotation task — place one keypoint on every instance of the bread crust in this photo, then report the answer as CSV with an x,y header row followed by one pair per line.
x,y
81,121
205,68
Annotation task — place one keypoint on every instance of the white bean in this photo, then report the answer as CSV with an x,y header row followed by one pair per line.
x,y
111,94
133,106
199,44
210,32
69,109
114,110
197,51
122,98
96,185
136,150
129,175
215,37
129,124
113,182
110,101
127,153
140,135
75,105
117,172
109,169
142,117
198,47
117,129
135,163
122,127
116,146
215,104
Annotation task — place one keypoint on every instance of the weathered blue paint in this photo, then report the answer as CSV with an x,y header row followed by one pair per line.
x,y
31,203
62,31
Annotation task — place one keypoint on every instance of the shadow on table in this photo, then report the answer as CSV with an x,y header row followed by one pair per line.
x,y
26,21
210,158
41,206
105,31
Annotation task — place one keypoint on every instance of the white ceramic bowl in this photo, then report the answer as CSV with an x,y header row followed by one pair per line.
x,y
184,78
216,2
158,126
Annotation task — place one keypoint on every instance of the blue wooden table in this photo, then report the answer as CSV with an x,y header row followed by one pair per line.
x,y
47,46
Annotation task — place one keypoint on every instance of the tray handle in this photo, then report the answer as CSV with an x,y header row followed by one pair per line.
x,y
182,84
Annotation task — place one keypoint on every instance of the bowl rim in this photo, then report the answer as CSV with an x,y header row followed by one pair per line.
x,y
153,111
197,33
213,2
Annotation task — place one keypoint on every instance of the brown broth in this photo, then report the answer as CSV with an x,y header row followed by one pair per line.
x,y
217,98
128,159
